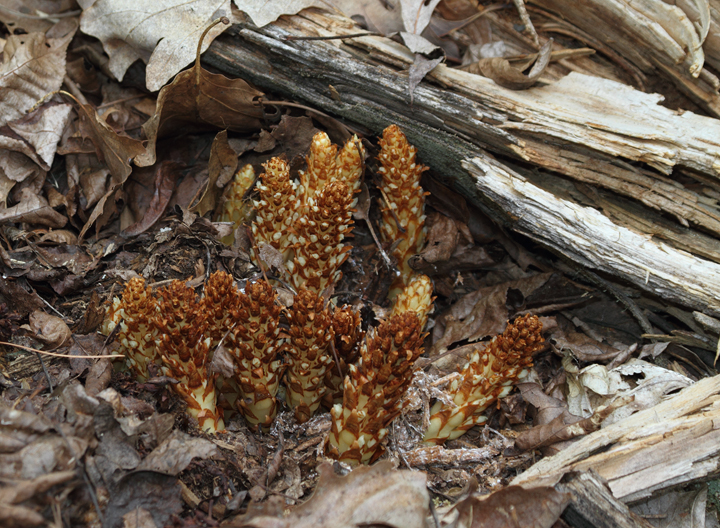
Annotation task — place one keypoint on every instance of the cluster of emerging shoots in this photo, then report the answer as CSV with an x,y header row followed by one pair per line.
x,y
324,357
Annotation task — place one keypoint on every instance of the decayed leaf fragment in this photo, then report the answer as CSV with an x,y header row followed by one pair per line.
x,y
222,164
512,506
368,496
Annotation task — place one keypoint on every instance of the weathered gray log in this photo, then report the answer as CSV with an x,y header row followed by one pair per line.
x,y
578,126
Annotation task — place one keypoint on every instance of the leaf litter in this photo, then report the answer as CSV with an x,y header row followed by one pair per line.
x,y
147,173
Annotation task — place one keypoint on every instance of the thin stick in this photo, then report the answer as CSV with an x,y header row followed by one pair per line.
x,y
520,5
53,354
45,370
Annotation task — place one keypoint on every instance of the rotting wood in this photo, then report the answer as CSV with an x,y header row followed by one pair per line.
x,y
587,236
593,506
575,127
668,445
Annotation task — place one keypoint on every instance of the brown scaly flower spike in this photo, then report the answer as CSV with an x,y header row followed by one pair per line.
x,y
319,251
307,222
404,217
488,376
136,336
416,297
308,347
325,165
235,209
373,390
256,349
277,208
347,327
181,324
221,303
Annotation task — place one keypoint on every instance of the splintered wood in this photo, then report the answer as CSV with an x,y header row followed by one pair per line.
x,y
674,443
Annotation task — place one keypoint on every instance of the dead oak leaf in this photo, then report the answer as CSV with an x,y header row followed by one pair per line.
x,y
33,66
33,209
416,14
163,33
114,150
36,135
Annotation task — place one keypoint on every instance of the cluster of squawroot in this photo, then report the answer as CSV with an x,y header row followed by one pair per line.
x,y
323,356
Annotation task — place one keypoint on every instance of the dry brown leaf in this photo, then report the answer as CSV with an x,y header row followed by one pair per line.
x,y
381,17
262,13
164,34
166,176
377,495
49,329
221,167
510,507
88,176
33,209
512,77
480,313
41,12
114,150
33,66
200,100
176,452
37,134
16,167
442,239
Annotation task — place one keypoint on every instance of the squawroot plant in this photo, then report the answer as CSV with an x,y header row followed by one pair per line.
x,y
321,354
488,376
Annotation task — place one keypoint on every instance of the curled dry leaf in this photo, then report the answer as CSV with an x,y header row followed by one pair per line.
x,y
479,314
114,150
200,100
369,496
512,77
164,35
416,14
33,66
166,176
49,329
176,452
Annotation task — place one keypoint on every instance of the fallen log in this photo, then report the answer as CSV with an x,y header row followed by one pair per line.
x,y
583,128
